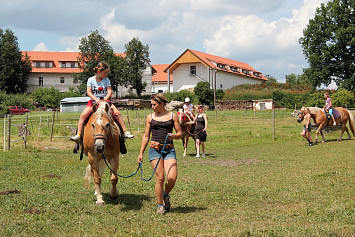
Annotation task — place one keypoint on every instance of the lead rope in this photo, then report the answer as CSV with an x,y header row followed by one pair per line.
x,y
139,165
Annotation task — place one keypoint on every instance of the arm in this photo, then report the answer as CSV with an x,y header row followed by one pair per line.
x,y
145,139
109,94
91,95
206,122
192,122
177,128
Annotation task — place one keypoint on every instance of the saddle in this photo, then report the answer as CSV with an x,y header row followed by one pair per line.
x,y
123,148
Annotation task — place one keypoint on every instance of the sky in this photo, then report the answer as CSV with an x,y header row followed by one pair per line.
x,y
262,33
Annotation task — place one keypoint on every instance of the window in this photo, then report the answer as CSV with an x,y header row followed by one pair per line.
x,y
220,86
38,64
40,81
72,65
63,65
46,65
160,91
192,70
61,79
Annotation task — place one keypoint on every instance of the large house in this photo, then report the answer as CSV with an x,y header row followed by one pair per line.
x,y
160,79
193,66
56,69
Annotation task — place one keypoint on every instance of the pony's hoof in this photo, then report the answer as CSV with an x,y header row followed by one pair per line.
x,y
100,203
323,141
114,198
339,140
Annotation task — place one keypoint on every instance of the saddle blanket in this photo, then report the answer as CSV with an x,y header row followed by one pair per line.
x,y
336,113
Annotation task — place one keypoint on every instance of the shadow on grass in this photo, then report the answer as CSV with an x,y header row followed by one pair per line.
x,y
187,209
131,201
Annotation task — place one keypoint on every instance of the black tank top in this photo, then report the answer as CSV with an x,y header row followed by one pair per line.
x,y
160,129
200,122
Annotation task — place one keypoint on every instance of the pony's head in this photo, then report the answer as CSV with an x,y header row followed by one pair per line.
x,y
101,125
301,114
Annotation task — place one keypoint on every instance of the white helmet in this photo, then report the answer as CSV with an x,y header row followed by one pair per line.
x,y
187,99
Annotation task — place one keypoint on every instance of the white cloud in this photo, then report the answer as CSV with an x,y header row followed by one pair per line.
x,y
40,47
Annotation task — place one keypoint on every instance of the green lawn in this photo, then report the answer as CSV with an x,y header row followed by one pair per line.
x,y
248,185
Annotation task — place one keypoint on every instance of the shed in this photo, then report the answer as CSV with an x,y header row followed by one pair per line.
x,y
73,104
265,104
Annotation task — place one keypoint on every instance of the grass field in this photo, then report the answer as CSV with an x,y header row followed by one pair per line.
x,y
248,185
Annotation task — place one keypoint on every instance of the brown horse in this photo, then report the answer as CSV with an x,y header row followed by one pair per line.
x,y
184,120
321,120
101,136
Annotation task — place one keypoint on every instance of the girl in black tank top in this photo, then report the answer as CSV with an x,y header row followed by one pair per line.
x,y
160,124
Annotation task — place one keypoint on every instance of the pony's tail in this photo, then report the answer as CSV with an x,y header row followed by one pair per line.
x,y
351,122
88,176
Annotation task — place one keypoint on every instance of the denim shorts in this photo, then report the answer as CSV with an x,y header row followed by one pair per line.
x,y
168,153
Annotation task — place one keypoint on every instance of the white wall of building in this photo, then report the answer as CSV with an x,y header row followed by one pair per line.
x,y
51,80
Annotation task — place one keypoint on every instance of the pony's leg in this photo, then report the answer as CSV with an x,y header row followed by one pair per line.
x,y
186,142
114,178
97,181
321,133
344,129
319,130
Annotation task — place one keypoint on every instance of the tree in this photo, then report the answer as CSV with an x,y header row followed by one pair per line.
x,y
295,79
137,56
47,97
204,93
14,67
342,98
329,45
93,49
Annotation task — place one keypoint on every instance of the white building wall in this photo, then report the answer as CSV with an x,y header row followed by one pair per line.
x,y
51,80
183,79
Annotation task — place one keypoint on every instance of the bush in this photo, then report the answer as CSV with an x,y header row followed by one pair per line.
x,y
343,98
181,95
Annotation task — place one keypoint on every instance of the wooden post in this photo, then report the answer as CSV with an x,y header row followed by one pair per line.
x,y
138,121
52,125
129,124
39,128
26,130
273,121
5,132
9,135
48,122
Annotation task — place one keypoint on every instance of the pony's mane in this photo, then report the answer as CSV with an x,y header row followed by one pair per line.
x,y
102,112
312,110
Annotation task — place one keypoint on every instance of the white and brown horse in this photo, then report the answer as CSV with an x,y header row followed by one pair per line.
x,y
321,120
101,136
185,119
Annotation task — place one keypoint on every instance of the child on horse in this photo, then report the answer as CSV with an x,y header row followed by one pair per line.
x,y
189,108
306,132
328,106
99,90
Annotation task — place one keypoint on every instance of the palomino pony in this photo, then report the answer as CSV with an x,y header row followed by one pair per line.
x,y
321,120
101,137
184,119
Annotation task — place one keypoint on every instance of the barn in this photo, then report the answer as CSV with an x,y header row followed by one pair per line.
x,y
73,104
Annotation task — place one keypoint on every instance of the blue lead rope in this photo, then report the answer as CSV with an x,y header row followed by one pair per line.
x,y
139,165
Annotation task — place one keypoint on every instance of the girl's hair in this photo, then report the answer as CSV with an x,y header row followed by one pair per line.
x,y
160,98
101,66
199,107
326,93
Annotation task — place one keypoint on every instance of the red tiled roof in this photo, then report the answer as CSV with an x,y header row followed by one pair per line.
x,y
211,61
160,75
56,58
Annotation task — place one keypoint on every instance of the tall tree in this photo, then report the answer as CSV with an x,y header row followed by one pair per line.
x,y
15,68
329,44
93,49
137,55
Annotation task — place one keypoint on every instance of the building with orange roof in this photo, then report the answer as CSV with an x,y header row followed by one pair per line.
x,y
56,69
160,79
193,66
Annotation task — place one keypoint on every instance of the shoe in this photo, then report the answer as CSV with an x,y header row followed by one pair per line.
x,y
310,144
76,138
203,155
161,210
167,202
128,135
197,155
334,124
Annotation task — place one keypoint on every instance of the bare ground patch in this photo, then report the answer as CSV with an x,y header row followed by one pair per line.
x,y
225,163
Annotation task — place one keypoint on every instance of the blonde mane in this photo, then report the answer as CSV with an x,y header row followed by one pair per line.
x,y
101,111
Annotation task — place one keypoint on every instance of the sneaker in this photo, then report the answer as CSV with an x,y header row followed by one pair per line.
x,y
167,201
128,135
197,155
203,155
310,144
161,210
76,139
334,124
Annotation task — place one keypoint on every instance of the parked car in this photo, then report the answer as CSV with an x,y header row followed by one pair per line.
x,y
18,110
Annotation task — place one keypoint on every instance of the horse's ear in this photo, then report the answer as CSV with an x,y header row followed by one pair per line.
x,y
107,107
94,107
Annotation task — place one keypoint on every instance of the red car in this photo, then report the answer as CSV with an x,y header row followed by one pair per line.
x,y
18,110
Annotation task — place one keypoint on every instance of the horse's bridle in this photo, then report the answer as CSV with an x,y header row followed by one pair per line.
x,y
99,136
